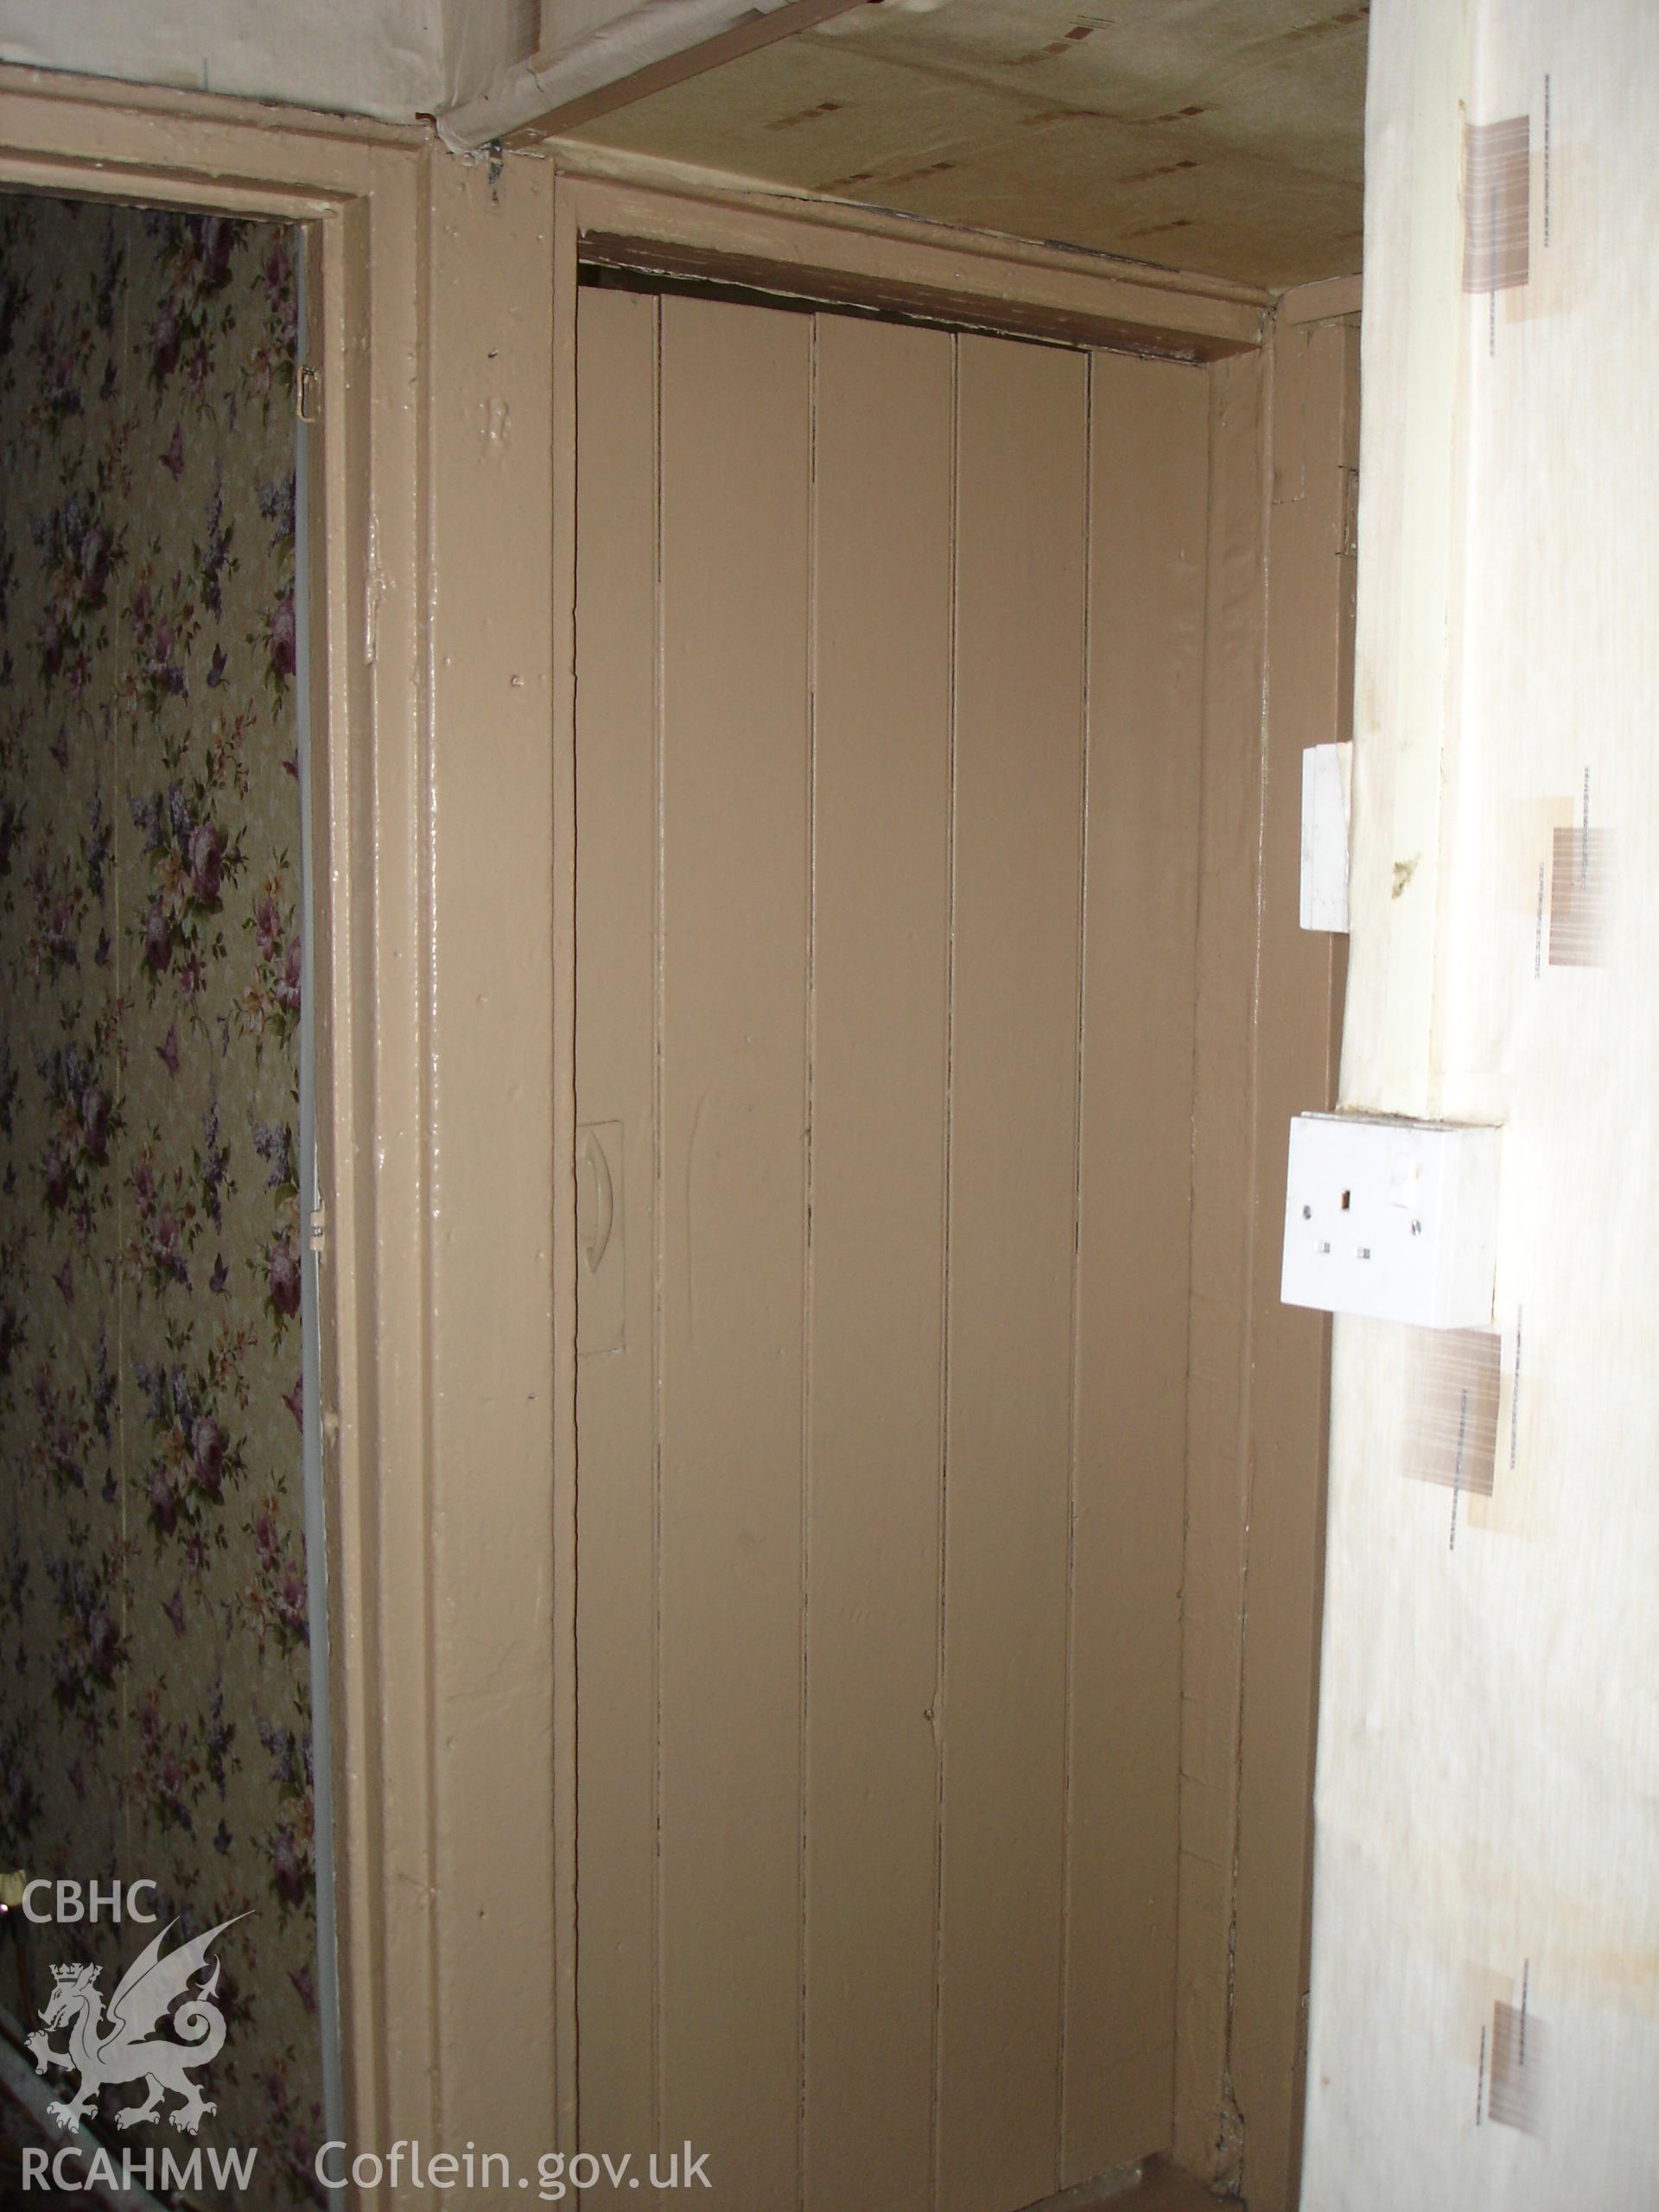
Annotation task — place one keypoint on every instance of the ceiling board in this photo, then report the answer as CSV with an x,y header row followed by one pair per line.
x,y
1221,136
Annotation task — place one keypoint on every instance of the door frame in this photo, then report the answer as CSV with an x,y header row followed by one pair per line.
x,y
355,187
656,218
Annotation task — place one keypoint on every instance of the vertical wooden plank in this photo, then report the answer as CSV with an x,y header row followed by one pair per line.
x,y
882,815
1020,629
1207,2127
1310,699
616,882
477,1072
561,238
1149,472
736,477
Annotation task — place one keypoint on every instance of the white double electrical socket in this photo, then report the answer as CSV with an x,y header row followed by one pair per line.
x,y
1392,1218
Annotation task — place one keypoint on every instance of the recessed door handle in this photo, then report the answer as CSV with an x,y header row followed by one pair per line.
x,y
595,1200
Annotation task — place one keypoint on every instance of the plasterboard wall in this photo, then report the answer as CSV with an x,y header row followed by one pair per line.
x,y
1485,1990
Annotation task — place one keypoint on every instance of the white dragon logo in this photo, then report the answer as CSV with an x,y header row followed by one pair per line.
x,y
124,2047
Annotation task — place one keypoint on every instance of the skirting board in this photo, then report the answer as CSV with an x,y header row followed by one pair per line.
x,y
1154,2187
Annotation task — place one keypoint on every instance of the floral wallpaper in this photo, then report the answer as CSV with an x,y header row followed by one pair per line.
x,y
155,1718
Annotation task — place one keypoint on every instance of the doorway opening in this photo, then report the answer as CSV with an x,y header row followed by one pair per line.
x,y
164,1612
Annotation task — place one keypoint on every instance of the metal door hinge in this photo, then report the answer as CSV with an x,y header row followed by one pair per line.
x,y
308,394
319,1229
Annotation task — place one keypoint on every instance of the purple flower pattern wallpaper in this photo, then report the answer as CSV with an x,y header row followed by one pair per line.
x,y
155,1715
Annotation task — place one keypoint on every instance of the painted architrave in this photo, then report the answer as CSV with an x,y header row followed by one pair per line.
x,y
645,214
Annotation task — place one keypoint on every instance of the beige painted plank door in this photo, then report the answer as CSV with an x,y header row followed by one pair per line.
x,y
887,729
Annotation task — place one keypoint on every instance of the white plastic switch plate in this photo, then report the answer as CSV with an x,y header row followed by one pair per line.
x,y
1327,802
1392,1218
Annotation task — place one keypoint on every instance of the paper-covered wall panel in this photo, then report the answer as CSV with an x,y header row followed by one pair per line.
x,y
382,58
155,1625
1486,1986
